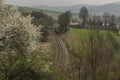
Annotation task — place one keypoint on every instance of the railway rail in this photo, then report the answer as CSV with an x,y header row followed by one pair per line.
x,y
61,56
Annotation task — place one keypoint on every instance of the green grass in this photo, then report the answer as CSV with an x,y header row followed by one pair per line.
x,y
78,32
75,35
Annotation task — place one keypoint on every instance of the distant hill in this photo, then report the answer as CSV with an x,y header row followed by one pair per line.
x,y
52,13
113,8
74,8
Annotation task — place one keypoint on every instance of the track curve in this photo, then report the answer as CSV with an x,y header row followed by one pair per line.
x,y
61,56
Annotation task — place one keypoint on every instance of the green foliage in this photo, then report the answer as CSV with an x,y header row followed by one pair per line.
x,y
84,14
64,20
40,18
18,40
43,19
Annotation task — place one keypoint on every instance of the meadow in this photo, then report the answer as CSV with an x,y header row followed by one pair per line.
x,y
75,36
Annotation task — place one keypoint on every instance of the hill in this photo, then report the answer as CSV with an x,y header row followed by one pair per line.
x,y
54,14
113,8
74,8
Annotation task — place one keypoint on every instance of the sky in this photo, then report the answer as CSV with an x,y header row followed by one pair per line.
x,y
58,2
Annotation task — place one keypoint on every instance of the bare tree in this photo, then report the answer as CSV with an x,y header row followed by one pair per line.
x,y
113,18
106,18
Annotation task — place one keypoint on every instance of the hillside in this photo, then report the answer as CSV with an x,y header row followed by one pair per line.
x,y
74,8
74,36
54,14
113,8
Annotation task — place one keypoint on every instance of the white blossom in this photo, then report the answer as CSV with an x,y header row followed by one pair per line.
x,y
16,30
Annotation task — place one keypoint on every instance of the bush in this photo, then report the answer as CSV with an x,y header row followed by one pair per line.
x,y
18,37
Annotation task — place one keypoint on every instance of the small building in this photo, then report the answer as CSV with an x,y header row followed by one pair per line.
x,y
118,26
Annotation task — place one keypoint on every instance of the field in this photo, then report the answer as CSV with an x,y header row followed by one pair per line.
x,y
76,35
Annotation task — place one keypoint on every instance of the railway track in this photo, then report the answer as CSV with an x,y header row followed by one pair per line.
x,y
60,61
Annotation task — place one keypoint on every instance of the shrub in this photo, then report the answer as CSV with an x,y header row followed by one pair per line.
x,y
18,37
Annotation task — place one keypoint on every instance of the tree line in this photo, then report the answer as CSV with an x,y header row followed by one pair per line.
x,y
40,18
106,21
95,55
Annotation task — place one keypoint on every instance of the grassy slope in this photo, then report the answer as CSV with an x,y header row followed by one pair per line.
x,y
75,35
51,13
54,14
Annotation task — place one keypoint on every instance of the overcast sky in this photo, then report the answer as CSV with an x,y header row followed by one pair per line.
x,y
58,2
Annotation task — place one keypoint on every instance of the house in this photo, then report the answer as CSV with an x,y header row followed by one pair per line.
x,y
118,26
